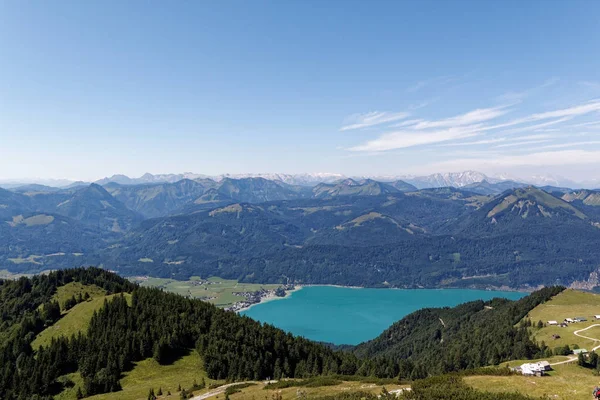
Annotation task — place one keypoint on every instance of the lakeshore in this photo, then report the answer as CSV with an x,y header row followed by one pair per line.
x,y
342,315
269,295
261,297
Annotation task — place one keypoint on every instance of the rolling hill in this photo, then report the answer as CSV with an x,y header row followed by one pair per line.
x,y
33,242
13,204
131,338
350,187
524,209
403,186
157,200
94,206
436,336
587,197
486,188
258,190
153,325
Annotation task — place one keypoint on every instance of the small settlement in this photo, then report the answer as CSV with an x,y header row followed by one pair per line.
x,y
540,368
568,321
256,297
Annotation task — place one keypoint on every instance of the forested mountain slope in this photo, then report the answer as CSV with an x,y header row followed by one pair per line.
x,y
259,190
91,205
33,239
429,238
468,336
158,200
95,207
362,233
157,325
350,187
12,204
162,326
486,188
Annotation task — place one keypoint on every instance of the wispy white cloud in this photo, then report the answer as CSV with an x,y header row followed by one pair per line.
x,y
568,112
440,80
528,128
408,122
521,95
469,118
477,142
404,139
423,104
559,116
522,143
572,144
533,137
373,118
590,84
538,159
470,124
499,140
591,123
547,130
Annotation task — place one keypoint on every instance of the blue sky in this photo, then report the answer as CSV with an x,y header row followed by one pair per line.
x,y
89,89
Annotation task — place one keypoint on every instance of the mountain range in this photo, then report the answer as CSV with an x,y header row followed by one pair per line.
x,y
352,232
455,179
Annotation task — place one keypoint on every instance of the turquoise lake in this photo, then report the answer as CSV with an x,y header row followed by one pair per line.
x,y
350,316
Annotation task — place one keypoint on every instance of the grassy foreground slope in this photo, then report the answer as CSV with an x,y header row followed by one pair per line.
x,y
152,324
567,381
144,338
75,320
150,374
568,304
342,388
74,289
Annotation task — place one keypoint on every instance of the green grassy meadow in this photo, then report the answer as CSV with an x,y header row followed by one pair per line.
x,y
75,289
215,290
149,374
77,319
568,304
566,381
256,392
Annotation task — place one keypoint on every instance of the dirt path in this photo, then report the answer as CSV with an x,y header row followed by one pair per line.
x,y
577,333
217,391
221,389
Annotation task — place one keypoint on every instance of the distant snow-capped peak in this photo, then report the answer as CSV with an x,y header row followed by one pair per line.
x,y
453,179
304,179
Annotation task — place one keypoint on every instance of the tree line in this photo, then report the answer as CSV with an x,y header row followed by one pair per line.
x,y
165,326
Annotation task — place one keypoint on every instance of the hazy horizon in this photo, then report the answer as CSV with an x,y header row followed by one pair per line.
x,y
538,180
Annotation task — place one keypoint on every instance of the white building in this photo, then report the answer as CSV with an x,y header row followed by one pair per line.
x,y
535,369
552,322
545,365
